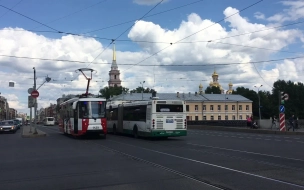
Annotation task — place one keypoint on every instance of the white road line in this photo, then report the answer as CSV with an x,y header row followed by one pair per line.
x,y
214,165
247,152
250,137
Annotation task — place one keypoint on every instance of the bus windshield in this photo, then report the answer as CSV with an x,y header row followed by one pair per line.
x,y
92,109
169,108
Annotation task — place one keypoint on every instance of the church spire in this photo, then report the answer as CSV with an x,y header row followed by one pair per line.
x,y
114,52
114,64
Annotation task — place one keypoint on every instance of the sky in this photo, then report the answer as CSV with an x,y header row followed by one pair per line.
x,y
172,45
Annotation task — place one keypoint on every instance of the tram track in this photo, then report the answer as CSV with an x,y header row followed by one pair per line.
x,y
181,174
185,175
234,157
209,164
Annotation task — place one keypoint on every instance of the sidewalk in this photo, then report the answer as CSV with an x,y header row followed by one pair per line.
x,y
247,130
27,134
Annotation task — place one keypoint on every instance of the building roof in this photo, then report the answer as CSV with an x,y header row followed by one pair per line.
x,y
226,97
182,96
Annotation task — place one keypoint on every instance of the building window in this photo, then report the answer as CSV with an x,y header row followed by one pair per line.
x,y
188,118
196,118
204,117
114,76
204,107
226,117
240,107
219,107
219,117
211,107
241,117
212,118
226,107
233,107
247,107
187,108
233,117
196,107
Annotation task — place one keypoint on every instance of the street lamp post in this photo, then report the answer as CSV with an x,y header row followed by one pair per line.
x,y
259,103
47,79
142,90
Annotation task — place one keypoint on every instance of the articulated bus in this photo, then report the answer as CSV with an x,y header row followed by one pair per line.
x,y
154,118
81,116
49,121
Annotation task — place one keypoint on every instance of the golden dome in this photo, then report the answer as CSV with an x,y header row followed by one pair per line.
x,y
230,83
214,74
200,86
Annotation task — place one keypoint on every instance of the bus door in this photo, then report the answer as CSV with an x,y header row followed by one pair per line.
x,y
120,119
76,119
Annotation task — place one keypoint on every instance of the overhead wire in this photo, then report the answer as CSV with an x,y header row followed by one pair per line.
x,y
197,32
29,18
173,65
11,8
126,22
126,30
72,13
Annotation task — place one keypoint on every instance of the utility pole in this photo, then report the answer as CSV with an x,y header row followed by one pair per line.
x,y
142,90
259,103
35,103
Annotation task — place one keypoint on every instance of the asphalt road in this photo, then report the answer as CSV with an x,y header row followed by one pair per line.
x,y
202,160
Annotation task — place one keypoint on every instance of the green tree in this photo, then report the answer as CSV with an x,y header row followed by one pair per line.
x,y
140,89
213,90
107,92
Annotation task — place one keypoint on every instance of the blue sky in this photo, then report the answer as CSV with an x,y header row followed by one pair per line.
x,y
81,17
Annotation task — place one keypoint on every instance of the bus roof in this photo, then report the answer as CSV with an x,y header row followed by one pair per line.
x,y
135,103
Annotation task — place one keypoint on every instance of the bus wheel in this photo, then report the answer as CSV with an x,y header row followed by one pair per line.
x,y
135,132
114,130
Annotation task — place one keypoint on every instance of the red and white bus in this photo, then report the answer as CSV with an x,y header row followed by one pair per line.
x,y
84,115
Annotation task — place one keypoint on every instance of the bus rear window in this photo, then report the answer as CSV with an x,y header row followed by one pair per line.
x,y
169,108
50,119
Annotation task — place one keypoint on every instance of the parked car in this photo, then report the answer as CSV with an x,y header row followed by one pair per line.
x,y
8,126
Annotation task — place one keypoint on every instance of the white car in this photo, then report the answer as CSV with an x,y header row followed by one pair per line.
x,y
8,126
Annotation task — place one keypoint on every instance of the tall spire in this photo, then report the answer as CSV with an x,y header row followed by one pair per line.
x,y
114,52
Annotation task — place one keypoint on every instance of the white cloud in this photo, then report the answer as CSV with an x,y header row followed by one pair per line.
x,y
148,2
164,79
294,12
259,15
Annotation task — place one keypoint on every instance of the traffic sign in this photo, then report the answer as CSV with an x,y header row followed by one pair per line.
x,y
282,109
30,90
35,94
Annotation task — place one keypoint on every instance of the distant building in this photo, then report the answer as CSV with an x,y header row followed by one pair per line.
x,y
12,113
114,73
200,106
4,108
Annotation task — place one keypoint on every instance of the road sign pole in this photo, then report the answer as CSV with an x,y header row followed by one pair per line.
x,y
282,122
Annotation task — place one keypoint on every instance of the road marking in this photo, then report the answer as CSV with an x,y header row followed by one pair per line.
x,y
213,165
247,152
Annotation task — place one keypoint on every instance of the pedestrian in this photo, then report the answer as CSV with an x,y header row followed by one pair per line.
x,y
251,125
248,121
291,123
274,122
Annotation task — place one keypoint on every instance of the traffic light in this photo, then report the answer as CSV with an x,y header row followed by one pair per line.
x,y
283,97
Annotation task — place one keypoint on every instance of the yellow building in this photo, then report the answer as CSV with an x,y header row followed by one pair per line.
x,y
202,106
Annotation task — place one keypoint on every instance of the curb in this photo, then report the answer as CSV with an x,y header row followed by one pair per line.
x,y
31,135
234,129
